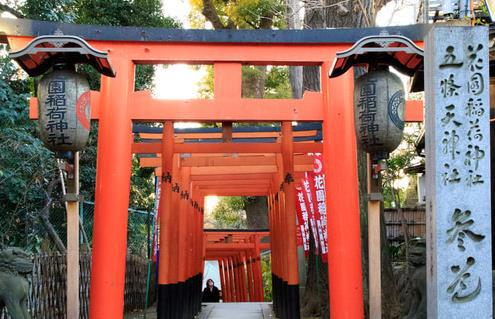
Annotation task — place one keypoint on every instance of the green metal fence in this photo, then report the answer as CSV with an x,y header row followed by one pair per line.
x,y
138,229
29,231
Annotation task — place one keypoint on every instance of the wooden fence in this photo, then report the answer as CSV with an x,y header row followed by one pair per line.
x,y
414,218
47,286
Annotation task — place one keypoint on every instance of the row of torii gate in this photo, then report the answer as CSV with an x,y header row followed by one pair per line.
x,y
253,168
245,173
227,167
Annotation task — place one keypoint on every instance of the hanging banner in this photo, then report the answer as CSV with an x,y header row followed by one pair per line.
x,y
302,218
320,202
155,244
299,237
308,197
314,184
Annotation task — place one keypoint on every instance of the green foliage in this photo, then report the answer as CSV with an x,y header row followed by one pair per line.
x,y
137,233
48,10
242,14
87,164
207,84
142,187
137,228
25,164
142,13
249,14
266,269
400,159
246,14
229,213
398,253
276,82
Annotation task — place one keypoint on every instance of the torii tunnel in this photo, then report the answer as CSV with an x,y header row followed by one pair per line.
x,y
263,168
238,253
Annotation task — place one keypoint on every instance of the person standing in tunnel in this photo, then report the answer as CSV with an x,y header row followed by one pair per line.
x,y
211,292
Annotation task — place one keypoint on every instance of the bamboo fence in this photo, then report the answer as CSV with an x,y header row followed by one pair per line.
x,y
47,286
413,218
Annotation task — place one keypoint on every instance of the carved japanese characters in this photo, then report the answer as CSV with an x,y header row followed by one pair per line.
x,y
458,173
379,112
64,110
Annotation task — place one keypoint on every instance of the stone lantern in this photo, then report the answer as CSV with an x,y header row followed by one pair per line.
x,y
379,112
379,95
63,94
64,109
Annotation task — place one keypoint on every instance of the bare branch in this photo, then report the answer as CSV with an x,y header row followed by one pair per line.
x,y
366,16
44,215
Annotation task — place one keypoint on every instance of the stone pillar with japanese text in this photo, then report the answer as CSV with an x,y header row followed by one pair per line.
x,y
459,264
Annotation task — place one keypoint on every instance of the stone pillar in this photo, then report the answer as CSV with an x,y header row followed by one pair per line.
x,y
459,265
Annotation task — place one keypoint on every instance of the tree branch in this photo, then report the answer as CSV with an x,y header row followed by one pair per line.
x,y
254,26
366,16
266,21
14,12
211,14
45,213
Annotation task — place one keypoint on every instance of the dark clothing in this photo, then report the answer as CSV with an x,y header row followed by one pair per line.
x,y
212,295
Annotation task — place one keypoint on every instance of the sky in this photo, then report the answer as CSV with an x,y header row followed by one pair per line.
x,y
398,12
178,9
178,81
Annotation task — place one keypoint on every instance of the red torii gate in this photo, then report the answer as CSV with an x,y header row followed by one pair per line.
x,y
118,105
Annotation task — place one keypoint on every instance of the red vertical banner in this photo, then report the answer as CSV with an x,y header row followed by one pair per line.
x,y
299,237
320,203
302,218
308,197
314,189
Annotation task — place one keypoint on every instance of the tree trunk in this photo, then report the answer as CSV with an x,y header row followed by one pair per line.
x,y
295,72
363,207
315,298
352,14
257,212
52,233
13,11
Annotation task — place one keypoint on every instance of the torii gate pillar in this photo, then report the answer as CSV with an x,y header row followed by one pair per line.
x,y
342,193
112,194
